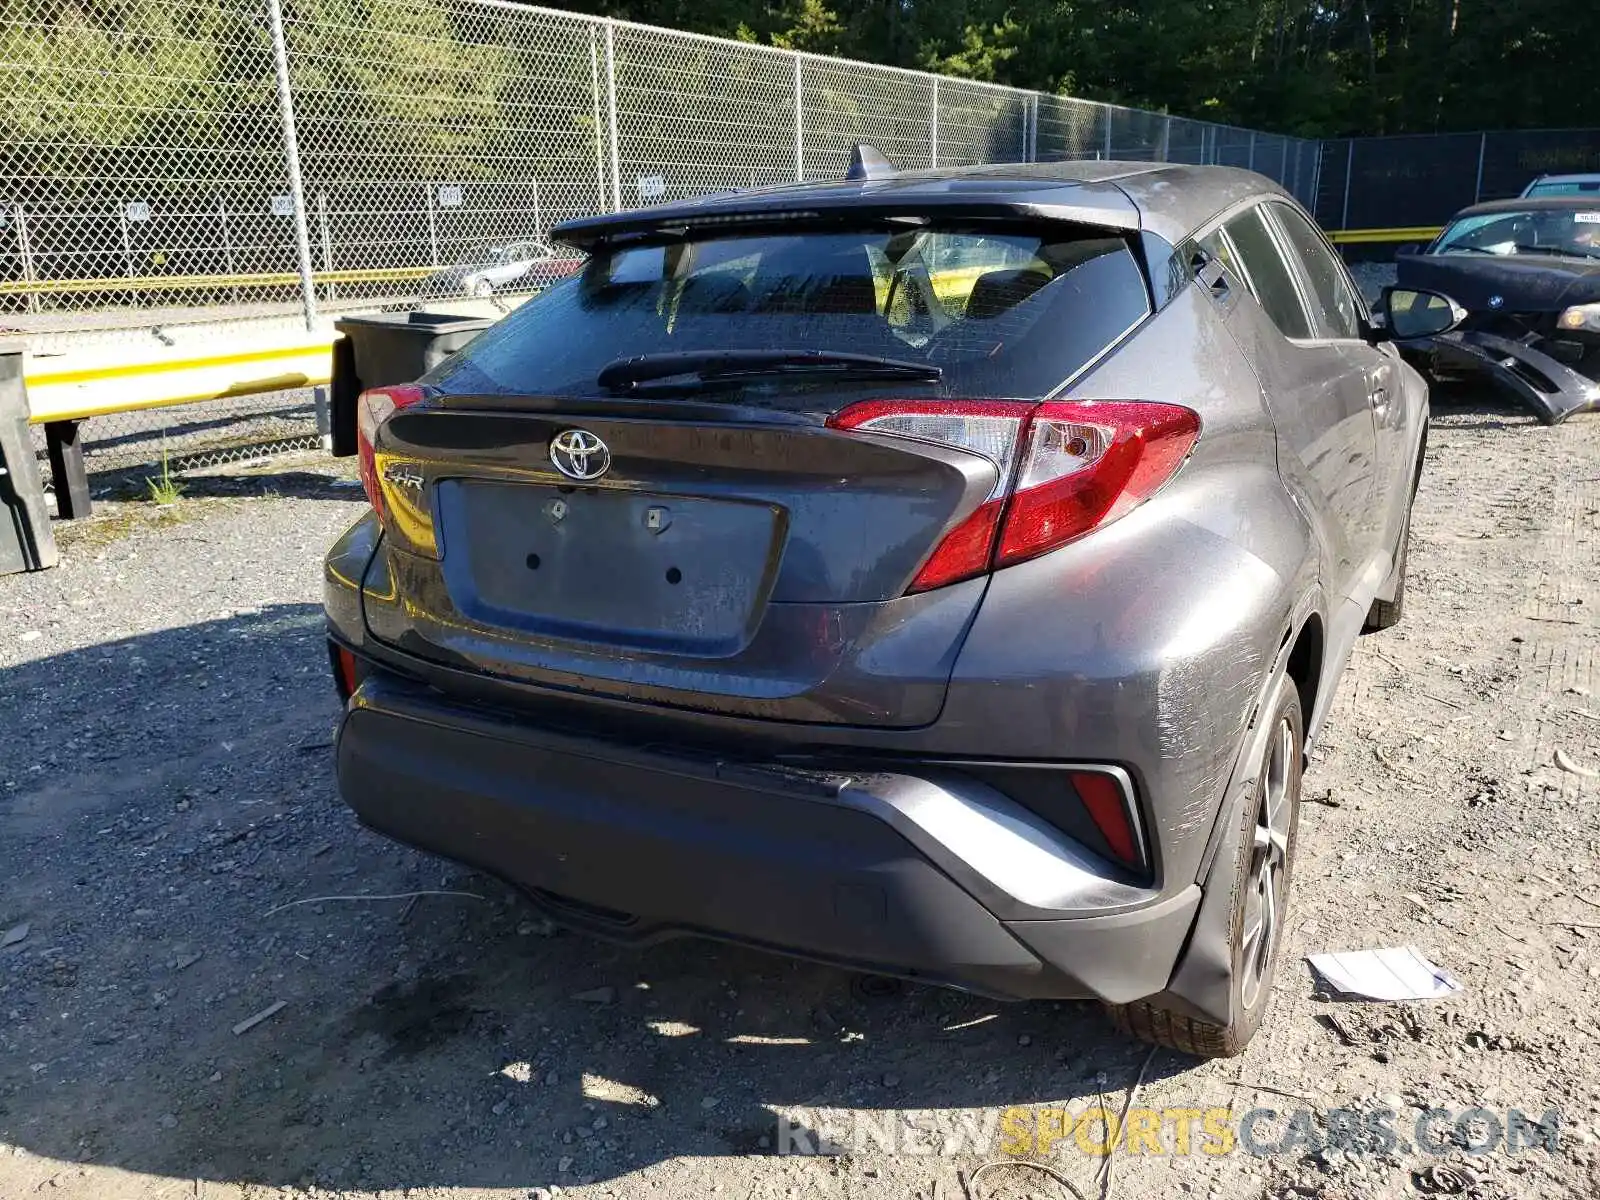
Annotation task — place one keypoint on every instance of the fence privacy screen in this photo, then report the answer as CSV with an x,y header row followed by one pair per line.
x,y
1420,180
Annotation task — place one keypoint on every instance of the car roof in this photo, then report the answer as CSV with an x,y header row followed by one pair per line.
x,y
1586,203
1169,199
1581,177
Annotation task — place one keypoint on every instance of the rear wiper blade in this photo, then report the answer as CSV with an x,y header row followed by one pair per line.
x,y
712,366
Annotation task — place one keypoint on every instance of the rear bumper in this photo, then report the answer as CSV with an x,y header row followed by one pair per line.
x,y
924,874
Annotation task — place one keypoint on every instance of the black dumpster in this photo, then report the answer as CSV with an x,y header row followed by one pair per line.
x,y
386,348
26,543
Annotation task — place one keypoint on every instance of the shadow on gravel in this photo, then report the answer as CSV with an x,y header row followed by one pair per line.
x,y
1461,401
302,485
184,788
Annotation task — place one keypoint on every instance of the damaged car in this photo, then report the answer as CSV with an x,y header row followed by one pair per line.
x,y
1527,273
937,574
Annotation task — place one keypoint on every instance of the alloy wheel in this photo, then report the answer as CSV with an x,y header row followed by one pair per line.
x,y
1269,860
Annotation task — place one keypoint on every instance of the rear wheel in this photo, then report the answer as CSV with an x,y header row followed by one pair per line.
x,y
1264,848
483,289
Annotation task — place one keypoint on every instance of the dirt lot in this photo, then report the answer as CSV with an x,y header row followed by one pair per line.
x,y
165,787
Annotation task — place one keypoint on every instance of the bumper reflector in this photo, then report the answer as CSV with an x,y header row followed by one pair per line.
x,y
1109,810
344,670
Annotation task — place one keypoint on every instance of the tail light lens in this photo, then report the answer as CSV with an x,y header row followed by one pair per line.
x,y
1087,464
1065,468
373,408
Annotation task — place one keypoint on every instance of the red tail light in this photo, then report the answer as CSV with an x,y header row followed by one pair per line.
x,y
1065,468
372,409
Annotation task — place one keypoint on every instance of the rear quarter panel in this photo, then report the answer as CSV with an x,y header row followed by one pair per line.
x,y
1149,642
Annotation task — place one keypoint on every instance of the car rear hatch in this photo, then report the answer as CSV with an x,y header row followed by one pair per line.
x,y
702,474
717,564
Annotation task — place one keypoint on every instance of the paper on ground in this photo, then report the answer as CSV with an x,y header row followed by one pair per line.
x,y
1398,974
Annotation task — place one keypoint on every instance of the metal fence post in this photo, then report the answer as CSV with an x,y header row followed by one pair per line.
x,y
127,241
1283,172
1349,170
291,156
227,246
327,242
1109,113
934,126
799,122
1483,150
25,252
433,223
1253,151
127,249
599,137
611,110
1166,140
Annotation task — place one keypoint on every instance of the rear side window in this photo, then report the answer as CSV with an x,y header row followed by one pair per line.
x,y
1332,297
1269,275
1008,311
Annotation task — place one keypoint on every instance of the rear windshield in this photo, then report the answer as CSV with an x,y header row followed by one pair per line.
x,y
1009,313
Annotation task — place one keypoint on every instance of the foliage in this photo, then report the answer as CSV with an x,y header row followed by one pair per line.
x,y
1308,67
165,489
177,98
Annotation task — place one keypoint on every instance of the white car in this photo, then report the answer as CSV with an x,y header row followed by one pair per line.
x,y
507,266
1563,185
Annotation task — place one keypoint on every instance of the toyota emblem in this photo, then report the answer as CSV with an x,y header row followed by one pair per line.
x,y
579,454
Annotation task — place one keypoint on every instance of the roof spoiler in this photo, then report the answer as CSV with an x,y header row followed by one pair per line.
x,y
867,163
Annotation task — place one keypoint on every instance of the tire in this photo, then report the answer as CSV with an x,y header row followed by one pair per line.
x,y
483,289
1264,847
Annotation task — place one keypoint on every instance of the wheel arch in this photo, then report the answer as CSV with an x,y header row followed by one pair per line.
x,y
1200,980
1304,665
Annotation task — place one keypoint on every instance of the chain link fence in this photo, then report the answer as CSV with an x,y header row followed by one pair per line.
x,y
167,162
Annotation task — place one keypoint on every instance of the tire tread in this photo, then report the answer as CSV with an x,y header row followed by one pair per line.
x,y
1163,1027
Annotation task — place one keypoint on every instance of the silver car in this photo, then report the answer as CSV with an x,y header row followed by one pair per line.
x,y
938,574
507,266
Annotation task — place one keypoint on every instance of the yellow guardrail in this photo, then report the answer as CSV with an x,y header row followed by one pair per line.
x,y
174,283
1416,233
76,392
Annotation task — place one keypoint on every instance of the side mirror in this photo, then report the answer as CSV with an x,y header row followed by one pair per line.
x,y
1408,313
1407,249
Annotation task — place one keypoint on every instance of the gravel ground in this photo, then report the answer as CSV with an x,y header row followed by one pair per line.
x,y
165,787
1372,277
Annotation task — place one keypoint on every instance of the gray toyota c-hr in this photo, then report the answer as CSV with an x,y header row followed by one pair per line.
x,y
940,574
